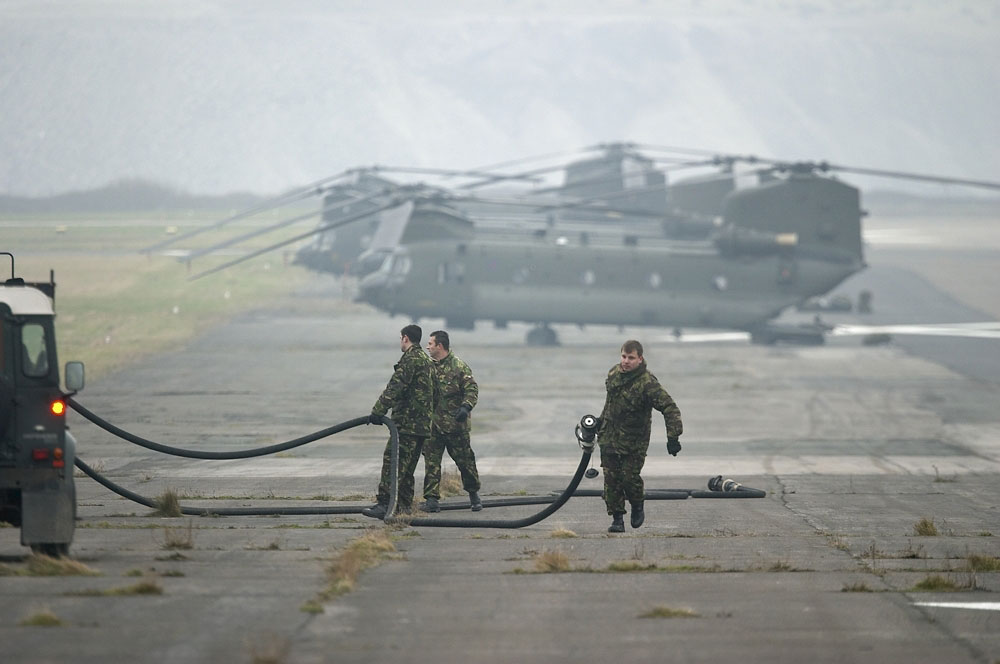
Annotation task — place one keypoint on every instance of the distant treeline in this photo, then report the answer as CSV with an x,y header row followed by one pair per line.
x,y
126,196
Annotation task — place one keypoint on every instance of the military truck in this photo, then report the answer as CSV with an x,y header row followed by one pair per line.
x,y
37,452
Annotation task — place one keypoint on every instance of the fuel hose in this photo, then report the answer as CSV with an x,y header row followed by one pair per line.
x,y
553,502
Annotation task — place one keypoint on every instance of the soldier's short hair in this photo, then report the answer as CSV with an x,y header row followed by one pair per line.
x,y
413,333
441,337
632,346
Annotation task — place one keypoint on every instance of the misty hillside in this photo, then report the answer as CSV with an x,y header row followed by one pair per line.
x,y
142,196
124,196
212,97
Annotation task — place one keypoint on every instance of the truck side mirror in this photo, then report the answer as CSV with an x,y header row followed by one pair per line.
x,y
74,376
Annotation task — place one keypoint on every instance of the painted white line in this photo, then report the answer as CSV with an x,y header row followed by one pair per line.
x,y
982,606
969,330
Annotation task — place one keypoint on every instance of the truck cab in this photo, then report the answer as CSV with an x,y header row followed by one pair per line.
x,y
37,452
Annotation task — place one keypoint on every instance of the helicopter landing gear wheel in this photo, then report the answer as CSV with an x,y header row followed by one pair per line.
x,y
543,335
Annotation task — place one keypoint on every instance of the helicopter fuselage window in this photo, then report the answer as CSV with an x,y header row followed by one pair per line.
x,y
451,273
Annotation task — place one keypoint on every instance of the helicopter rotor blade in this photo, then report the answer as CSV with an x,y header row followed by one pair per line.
x,y
281,224
319,229
941,179
445,172
311,189
541,157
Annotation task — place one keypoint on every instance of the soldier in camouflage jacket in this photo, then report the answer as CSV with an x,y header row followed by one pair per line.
x,y
623,432
456,394
409,396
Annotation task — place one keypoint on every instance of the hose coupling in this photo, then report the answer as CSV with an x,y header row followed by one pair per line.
x,y
586,432
719,484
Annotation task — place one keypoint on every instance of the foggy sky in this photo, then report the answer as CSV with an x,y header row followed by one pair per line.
x,y
221,96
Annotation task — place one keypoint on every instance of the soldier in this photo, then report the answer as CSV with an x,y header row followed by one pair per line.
x,y
410,396
456,394
623,432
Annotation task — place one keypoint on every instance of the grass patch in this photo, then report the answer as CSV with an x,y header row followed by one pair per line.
x,y
630,566
115,309
859,587
982,563
44,618
39,565
562,533
312,606
938,583
140,588
925,528
167,505
359,554
668,612
548,561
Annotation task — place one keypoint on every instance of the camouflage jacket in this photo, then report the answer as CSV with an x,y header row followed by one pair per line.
x,y
410,393
627,414
455,388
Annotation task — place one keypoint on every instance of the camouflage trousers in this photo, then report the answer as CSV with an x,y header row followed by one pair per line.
x,y
622,479
409,454
460,451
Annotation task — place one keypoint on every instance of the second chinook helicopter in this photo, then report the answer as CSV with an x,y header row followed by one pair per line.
x,y
614,244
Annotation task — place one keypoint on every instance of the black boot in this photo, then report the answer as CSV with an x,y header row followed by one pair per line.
x,y
430,505
376,511
474,501
638,516
617,523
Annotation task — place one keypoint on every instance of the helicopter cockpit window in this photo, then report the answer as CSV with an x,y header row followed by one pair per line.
x,y
655,281
35,360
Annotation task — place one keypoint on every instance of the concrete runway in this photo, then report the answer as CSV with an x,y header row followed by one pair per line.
x,y
854,445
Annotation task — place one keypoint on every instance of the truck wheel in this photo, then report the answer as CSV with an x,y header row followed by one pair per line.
x,y
51,549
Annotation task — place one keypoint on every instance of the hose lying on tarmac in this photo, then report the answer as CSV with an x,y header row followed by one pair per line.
x,y
553,503
239,454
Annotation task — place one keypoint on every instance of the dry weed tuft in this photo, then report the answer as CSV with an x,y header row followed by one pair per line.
x,y
551,561
925,528
44,618
562,533
167,504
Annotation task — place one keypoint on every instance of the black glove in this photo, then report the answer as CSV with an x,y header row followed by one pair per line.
x,y
673,445
461,413
374,418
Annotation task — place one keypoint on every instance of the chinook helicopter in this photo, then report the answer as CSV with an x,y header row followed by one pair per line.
x,y
612,244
